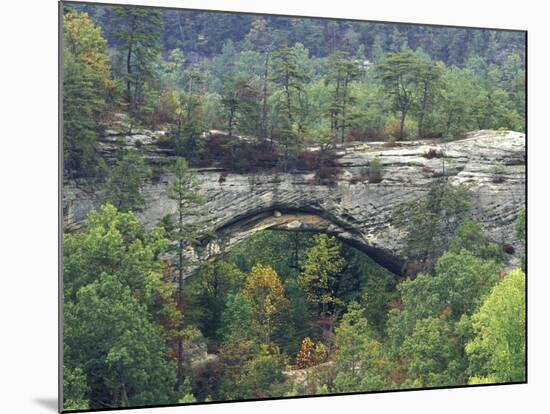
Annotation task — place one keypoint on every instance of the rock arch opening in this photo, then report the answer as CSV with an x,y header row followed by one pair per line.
x,y
287,219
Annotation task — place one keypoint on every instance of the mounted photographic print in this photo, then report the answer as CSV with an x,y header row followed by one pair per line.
x,y
263,206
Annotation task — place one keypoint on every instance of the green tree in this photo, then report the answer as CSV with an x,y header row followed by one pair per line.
x,y
399,74
430,354
75,389
84,40
319,278
126,179
497,352
82,107
189,125
235,319
239,99
261,375
86,85
360,361
109,336
521,227
460,97
521,232
460,283
432,220
430,87
469,236
116,243
209,288
183,189
342,71
260,37
137,29
287,73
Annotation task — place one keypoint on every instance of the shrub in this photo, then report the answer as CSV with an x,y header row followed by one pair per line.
x,y
393,124
235,155
365,135
508,248
164,109
430,134
390,142
498,176
375,171
324,163
375,135
433,153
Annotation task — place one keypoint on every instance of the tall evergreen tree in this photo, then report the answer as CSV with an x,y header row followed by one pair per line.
x,y
183,190
430,85
86,81
399,75
343,71
138,30
290,77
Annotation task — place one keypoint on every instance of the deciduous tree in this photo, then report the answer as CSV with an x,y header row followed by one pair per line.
x,y
266,293
321,269
109,335
497,352
126,179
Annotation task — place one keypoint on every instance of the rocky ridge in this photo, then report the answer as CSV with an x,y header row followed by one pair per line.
x,y
492,163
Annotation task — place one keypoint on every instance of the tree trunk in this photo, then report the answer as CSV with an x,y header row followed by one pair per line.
x,y
264,98
179,378
129,63
230,123
344,103
402,125
423,111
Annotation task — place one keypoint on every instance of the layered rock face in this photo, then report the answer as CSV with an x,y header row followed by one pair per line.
x,y
357,211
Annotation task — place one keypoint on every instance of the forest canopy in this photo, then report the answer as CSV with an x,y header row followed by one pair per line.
x,y
295,81
148,320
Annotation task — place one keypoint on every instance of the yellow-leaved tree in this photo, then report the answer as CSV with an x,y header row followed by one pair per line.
x,y
265,292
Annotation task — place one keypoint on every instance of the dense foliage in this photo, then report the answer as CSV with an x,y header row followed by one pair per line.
x,y
291,82
282,313
273,328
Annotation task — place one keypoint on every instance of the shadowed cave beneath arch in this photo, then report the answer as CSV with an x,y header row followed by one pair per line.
x,y
300,220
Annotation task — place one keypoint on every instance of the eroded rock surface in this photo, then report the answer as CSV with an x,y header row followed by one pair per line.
x,y
359,212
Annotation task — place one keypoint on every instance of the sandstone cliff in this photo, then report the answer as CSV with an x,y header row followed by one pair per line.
x,y
491,162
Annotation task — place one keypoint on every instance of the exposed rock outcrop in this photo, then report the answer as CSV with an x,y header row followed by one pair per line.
x,y
359,212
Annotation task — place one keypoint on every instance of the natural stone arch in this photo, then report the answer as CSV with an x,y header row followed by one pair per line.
x,y
359,212
281,219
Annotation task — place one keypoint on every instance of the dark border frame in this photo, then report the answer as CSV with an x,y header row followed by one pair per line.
x,y
60,204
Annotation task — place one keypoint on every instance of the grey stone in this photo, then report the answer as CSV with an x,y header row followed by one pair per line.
x,y
352,209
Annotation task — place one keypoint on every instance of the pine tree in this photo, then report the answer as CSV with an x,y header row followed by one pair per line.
x,y
138,31
86,82
399,75
290,77
183,189
430,83
342,72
